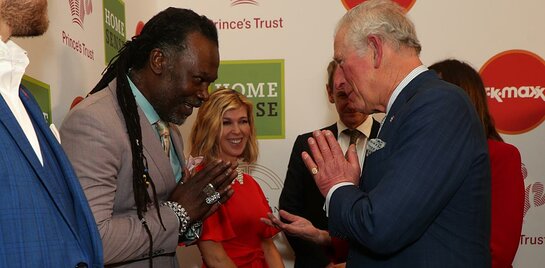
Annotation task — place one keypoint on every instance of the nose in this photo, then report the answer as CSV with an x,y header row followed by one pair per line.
x,y
203,93
236,128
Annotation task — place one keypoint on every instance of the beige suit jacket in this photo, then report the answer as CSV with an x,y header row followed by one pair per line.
x,y
95,139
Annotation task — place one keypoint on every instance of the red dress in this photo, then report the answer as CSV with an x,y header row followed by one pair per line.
x,y
507,202
237,227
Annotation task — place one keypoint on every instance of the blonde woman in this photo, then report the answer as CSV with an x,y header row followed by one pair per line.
x,y
233,236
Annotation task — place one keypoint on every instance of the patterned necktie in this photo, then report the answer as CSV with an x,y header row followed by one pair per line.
x,y
164,134
354,135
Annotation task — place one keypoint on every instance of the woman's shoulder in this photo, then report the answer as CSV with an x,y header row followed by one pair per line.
x,y
502,150
500,146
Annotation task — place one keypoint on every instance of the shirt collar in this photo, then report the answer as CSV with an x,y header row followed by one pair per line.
x,y
143,103
413,74
364,127
13,63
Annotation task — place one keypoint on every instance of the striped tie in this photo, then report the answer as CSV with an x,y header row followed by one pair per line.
x,y
354,135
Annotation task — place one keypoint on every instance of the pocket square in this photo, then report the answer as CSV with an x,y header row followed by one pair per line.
x,y
374,145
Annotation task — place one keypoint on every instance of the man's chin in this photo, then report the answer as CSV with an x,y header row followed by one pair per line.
x,y
178,121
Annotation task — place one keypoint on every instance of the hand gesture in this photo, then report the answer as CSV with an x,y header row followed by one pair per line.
x,y
328,164
298,226
196,192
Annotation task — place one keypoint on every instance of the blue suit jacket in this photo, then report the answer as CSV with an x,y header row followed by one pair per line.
x,y
45,220
424,199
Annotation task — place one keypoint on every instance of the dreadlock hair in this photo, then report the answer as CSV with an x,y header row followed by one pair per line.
x,y
168,30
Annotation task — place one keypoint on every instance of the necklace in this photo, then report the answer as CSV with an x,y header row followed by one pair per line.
x,y
239,177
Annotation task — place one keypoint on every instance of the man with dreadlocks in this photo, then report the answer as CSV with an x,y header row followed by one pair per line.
x,y
119,140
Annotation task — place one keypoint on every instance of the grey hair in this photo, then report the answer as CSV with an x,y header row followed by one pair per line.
x,y
383,18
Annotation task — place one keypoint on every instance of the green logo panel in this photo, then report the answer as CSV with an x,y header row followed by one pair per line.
x,y
114,27
42,93
262,82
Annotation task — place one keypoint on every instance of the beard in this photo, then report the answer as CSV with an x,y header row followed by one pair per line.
x,y
168,107
25,18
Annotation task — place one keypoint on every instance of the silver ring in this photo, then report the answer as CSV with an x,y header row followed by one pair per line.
x,y
209,189
211,199
314,171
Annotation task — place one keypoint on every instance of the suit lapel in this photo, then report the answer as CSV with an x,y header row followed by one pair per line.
x,y
8,119
69,176
154,150
405,96
39,124
151,144
374,129
178,143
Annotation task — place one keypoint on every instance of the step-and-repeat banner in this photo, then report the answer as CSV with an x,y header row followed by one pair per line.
x,y
276,51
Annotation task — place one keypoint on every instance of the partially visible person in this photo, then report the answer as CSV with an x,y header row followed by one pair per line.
x,y
233,236
127,150
45,220
300,195
505,163
424,197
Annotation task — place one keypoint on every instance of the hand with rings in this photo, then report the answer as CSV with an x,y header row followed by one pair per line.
x,y
201,193
328,164
212,196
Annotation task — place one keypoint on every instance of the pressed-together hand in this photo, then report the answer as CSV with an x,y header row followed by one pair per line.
x,y
328,164
194,193
298,226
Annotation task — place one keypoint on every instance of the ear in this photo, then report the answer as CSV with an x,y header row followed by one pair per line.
x,y
376,45
329,93
157,61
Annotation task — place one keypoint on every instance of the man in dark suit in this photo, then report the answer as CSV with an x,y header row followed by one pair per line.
x,y
45,220
424,197
301,197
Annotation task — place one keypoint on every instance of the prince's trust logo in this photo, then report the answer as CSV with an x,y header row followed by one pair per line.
x,y
533,206
534,196
79,9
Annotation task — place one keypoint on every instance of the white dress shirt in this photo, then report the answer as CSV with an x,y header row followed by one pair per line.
x,y
13,62
344,139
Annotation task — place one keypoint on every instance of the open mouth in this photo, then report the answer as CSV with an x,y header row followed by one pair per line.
x,y
235,141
